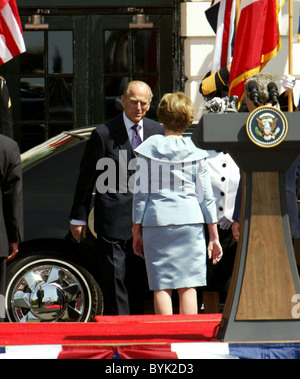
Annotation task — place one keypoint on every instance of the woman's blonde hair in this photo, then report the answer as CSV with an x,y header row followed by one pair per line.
x,y
176,111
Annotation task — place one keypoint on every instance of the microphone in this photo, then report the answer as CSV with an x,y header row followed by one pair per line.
x,y
254,95
273,93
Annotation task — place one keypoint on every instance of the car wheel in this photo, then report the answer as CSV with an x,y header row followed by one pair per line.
x,y
44,289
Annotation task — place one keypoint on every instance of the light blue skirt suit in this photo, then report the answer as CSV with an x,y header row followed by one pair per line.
x,y
173,198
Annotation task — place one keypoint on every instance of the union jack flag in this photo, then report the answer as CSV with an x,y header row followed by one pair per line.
x,y
221,16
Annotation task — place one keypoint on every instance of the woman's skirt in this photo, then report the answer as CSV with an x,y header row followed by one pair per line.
x,y
175,256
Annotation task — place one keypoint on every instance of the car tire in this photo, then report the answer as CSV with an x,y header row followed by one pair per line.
x,y
48,288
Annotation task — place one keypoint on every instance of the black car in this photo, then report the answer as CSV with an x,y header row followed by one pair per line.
x,y
53,279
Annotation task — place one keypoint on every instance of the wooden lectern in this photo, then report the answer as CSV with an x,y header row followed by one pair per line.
x,y
261,304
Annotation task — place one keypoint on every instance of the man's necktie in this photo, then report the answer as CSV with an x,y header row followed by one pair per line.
x,y
136,139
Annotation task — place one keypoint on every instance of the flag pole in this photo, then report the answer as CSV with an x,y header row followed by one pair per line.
x,y
291,27
238,3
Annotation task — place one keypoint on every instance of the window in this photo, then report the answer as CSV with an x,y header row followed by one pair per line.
x,y
73,74
46,86
129,55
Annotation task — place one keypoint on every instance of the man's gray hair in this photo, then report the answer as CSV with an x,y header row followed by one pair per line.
x,y
126,92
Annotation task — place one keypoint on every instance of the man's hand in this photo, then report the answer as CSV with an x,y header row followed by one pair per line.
x,y
13,251
78,232
137,246
224,223
236,230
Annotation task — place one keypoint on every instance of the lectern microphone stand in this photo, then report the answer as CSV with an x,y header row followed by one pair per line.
x,y
261,304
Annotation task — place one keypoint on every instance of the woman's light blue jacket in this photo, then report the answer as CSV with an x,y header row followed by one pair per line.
x,y
172,184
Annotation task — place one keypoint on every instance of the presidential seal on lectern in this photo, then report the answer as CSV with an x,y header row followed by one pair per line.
x,y
267,126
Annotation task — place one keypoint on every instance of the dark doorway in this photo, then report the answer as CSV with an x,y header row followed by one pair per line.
x,y
73,73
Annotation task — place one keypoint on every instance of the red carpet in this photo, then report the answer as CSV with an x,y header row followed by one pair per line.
x,y
133,337
112,330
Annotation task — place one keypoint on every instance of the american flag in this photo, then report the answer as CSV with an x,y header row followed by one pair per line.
x,y
11,34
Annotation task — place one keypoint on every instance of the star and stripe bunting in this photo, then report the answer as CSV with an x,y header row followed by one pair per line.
x,y
181,351
165,351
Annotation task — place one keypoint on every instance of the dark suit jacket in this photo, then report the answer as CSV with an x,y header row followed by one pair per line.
x,y
113,209
6,118
11,197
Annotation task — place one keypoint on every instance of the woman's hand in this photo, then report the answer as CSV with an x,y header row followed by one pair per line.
x,y
214,248
214,251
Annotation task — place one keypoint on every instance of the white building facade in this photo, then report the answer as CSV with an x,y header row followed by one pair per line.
x,y
199,40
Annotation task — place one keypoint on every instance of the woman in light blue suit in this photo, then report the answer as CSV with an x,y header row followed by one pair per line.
x,y
173,198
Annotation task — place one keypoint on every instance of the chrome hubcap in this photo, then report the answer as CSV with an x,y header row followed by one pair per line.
x,y
48,302
46,293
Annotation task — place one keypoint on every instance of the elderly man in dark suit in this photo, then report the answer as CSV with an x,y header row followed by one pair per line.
x,y
11,208
109,152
